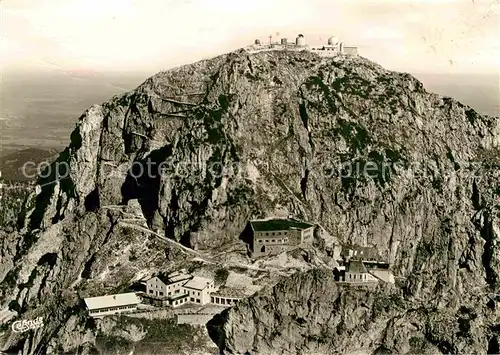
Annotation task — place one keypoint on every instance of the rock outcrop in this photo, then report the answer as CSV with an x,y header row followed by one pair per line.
x,y
309,313
365,152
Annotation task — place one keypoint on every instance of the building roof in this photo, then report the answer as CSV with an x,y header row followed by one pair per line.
x,y
278,224
121,299
383,274
179,277
174,277
163,278
356,266
361,252
198,283
376,265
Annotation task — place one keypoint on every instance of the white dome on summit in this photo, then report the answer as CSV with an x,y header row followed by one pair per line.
x,y
333,41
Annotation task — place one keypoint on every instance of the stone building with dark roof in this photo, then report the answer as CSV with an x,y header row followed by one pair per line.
x,y
273,236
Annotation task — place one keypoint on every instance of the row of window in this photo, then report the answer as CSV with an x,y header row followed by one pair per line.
x,y
160,293
276,233
174,285
361,277
104,310
284,240
220,300
197,300
181,301
190,292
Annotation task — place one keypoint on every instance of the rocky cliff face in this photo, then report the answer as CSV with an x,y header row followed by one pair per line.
x,y
309,313
365,152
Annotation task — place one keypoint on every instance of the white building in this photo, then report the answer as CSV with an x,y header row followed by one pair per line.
x,y
333,48
112,304
167,285
357,272
178,288
199,289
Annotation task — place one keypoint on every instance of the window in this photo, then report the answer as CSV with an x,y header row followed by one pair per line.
x,y
192,299
274,240
168,293
198,293
161,293
267,233
198,300
150,291
177,291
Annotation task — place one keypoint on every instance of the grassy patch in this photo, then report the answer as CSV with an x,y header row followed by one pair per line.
x,y
163,335
354,133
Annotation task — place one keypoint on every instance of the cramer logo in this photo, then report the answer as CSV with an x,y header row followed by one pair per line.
x,y
22,326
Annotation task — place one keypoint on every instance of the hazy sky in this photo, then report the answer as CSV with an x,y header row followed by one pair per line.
x,y
151,35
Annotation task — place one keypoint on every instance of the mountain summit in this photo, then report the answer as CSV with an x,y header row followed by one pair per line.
x,y
366,153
